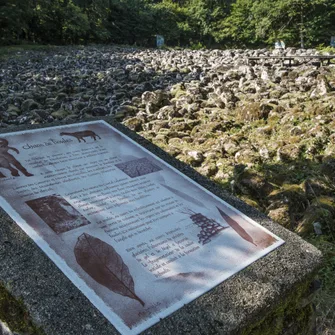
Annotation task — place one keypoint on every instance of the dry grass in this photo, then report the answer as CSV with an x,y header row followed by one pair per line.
x,y
326,321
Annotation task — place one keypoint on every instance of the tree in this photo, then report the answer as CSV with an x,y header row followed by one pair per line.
x,y
14,18
97,12
59,21
182,22
240,25
295,21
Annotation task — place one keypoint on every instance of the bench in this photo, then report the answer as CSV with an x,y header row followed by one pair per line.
x,y
322,60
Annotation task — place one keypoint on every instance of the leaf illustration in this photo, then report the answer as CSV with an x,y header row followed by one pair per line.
x,y
239,230
267,240
105,265
184,196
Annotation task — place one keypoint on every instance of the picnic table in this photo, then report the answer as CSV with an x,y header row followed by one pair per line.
x,y
294,59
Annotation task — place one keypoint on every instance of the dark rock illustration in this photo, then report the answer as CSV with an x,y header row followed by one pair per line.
x,y
138,167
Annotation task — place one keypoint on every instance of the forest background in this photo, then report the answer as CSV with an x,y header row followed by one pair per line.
x,y
185,23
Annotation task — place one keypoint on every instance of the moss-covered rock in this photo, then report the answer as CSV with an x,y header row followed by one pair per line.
x,y
328,168
251,111
316,187
289,152
13,110
325,202
15,315
294,196
178,90
291,317
127,110
180,126
61,96
29,104
208,169
134,123
157,125
61,114
281,215
251,184
251,202
315,215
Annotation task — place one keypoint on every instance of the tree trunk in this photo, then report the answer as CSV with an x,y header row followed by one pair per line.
x,y
302,45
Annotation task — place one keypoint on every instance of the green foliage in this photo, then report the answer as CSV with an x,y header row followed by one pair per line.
x,y
239,27
326,298
66,22
197,46
295,21
14,18
75,25
187,23
207,17
325,49
327,245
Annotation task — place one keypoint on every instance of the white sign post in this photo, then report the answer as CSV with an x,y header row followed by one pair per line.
x,y
136,236
332,41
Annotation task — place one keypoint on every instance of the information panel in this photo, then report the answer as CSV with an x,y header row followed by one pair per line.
x,y
135,235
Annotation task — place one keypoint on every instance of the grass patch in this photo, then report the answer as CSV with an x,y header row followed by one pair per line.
x,y
326,49
326,297
19,50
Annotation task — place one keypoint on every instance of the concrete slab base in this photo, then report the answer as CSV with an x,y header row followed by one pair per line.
x,y
266,298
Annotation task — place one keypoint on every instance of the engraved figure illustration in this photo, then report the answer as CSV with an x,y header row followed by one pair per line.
x,y
209,227
101,262
57,213
138,167
79,135
7,161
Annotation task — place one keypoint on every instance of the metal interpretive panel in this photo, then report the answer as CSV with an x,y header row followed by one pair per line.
x,y
136,236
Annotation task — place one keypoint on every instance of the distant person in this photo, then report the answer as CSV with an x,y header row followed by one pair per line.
x,y
282,44
277,45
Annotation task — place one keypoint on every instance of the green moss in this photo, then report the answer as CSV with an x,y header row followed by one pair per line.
x,y
15,315
134,124
60,114
312,215
250,202
287,314
325,202
288,188
177,91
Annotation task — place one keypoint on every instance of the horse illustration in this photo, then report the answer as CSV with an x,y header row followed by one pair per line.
x,y
7,160
79,135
